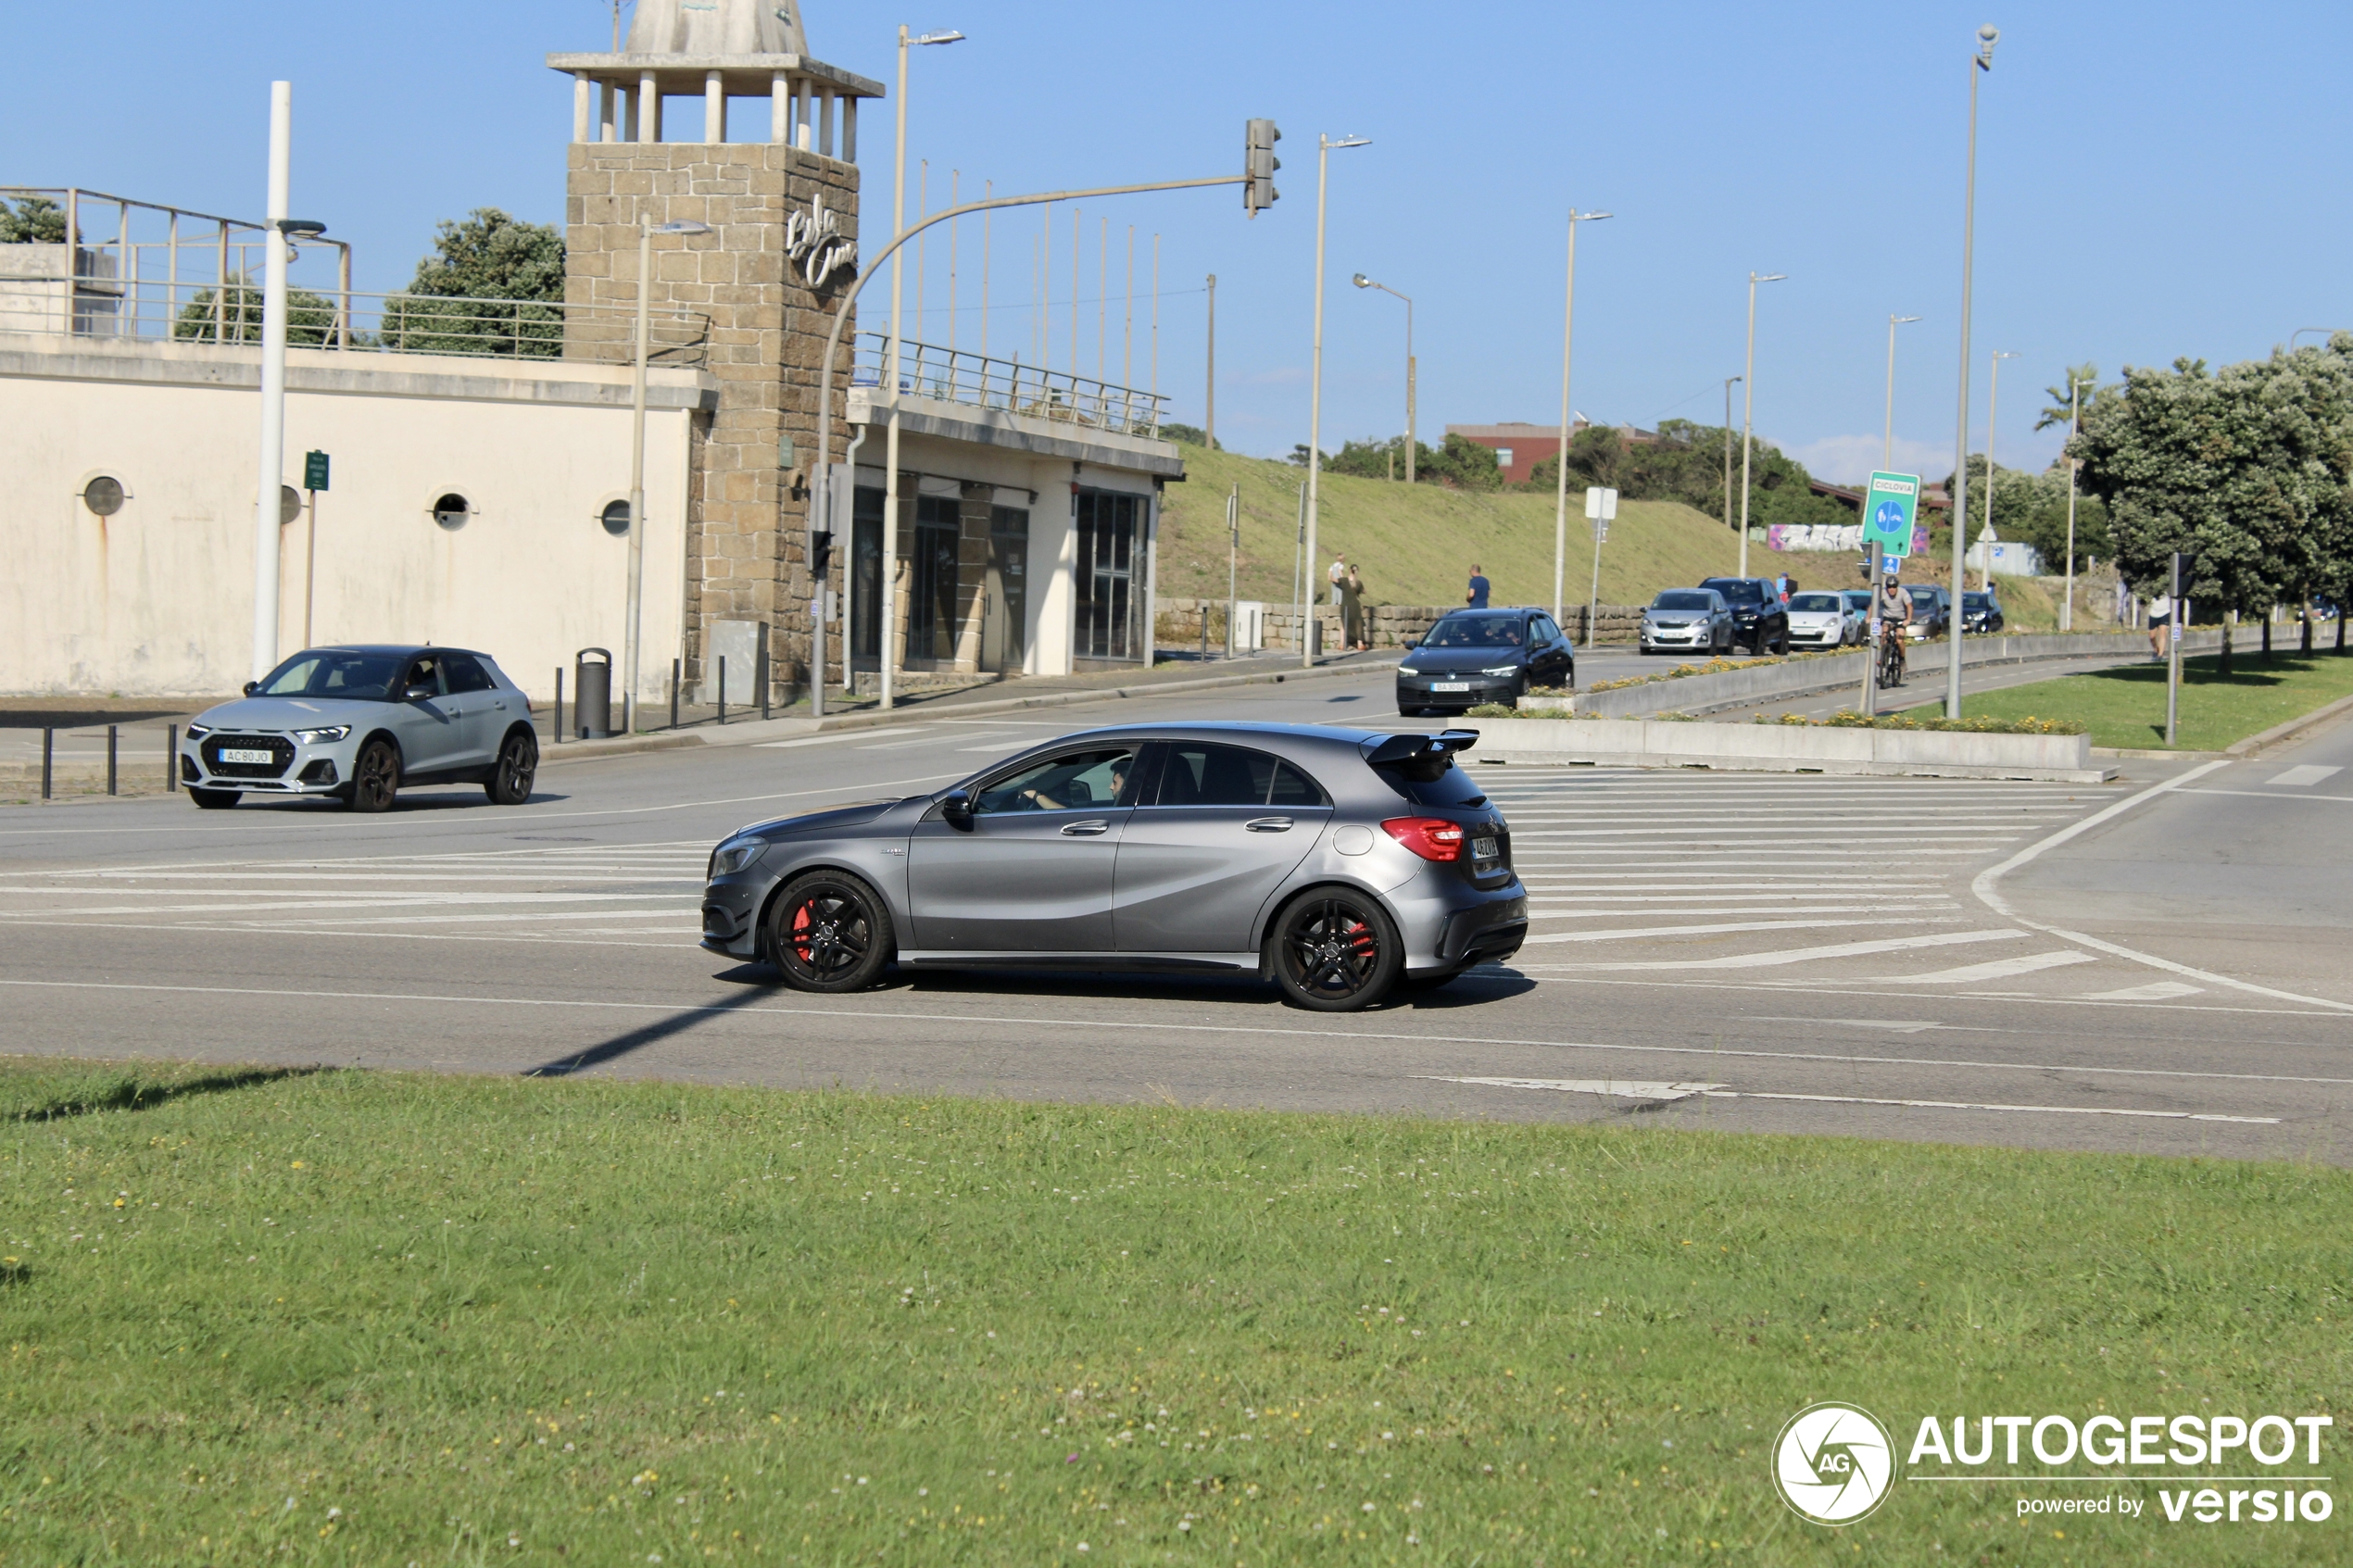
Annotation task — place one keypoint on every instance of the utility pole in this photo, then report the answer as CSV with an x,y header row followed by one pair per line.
x,y
1233,559
1980,62
1210,432
1569,416
1728,383
1316,379
2074,466
1992,419
270,477
1748,406
1887,447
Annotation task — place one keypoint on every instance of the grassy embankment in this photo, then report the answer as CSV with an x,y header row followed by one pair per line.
x,y
386,1319
2125,707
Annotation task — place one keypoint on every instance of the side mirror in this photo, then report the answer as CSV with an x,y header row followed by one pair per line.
x,y
252,686
417,694
1412,642
957,809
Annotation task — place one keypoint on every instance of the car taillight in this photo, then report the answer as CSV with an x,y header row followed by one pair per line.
x,y
1433,838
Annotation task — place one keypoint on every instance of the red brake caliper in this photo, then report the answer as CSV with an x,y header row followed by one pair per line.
x,y
800,928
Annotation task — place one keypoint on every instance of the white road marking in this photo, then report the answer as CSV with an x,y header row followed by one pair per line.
x,y
2302,776
2154,991
1716,1091
1808,955
2000,969
1617,935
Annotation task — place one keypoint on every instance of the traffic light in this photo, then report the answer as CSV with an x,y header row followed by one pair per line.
x,y
1259,164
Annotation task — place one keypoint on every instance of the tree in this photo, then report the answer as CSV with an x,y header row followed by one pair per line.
x,y
1193,435
34,220
233,315
1461,464
1685,462
2059,409
487,257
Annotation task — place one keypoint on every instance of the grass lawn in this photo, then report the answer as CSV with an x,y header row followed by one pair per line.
x,y
2125,707
386,1319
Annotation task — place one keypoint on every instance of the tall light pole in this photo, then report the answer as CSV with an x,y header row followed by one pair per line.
x,y
270,473
1748,404
1887,447
1569,416
1728,383
2074,464
888,640
1992,416
1980,62
1361,281
1324,145
1209,381
629,631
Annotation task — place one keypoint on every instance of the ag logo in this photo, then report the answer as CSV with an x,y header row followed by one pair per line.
x,y
1833,1463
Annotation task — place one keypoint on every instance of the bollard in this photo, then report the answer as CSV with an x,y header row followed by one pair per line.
x,y
113,735
673,694
723,688
1204,634
48,753
171,759
760,680
558,732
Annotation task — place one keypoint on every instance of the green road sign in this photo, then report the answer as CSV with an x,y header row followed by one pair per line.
x,y
314,471
1889,506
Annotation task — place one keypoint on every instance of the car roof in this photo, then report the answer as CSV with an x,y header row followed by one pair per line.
x,y
1228,729
1491,610
387,648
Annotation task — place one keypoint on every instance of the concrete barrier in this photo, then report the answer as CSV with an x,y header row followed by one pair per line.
x,y
1803,677
1786,748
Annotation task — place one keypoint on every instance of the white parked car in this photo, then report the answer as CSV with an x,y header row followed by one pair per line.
x,y
1820,619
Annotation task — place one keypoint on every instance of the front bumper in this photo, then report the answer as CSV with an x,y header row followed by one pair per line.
x,y
296,767
1420,691
730,911
1679,636
1817,636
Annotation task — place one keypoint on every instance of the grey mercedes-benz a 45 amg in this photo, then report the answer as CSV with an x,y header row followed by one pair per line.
x,y
1341,864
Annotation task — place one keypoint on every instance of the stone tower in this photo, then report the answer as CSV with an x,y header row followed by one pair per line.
x,y
783,211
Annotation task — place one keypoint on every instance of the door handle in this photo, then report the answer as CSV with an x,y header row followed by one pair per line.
x,y
1268,824
1084,830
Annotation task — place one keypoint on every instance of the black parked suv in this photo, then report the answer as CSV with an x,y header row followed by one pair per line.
x,y
1475,656
1982,614
1758,617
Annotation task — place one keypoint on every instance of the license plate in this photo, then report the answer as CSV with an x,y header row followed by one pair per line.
x,y
245,753
1449,685
1483,849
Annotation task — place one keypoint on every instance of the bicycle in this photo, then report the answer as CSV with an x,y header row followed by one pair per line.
x,y
1890,657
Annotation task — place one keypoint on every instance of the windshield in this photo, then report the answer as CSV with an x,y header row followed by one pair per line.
x,y
1736,590
1859,598
1477,632
1920,596
1830,602
335,672
1683,598
1976,601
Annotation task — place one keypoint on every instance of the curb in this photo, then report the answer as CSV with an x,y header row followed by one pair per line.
x,y
2295,729
580,752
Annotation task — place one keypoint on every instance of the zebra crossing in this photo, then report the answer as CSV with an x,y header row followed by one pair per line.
x,y
1793,880
600,894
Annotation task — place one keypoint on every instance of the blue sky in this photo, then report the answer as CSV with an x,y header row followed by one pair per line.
x,y
2155,180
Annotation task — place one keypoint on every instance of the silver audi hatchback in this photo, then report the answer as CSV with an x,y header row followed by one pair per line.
x,y
1341,864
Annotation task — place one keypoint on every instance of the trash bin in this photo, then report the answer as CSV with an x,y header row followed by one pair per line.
x,y
592,693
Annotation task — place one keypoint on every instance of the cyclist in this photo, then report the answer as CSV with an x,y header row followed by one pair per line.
x,y
1894,610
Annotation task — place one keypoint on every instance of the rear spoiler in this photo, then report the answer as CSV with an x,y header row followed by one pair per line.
x,y
1390,751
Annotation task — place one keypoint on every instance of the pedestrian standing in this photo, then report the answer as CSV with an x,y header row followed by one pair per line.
x,y
2160,616
1476,597
1352,612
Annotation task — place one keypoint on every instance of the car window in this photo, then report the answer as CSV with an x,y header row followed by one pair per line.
x,y
1545,630
1738,590
423,671
1684,599
464,673
1477,632
1231,775
1830,602
1295,788
1068,780
330,673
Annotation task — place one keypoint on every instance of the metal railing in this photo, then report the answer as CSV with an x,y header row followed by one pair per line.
x,y
927,369
93,307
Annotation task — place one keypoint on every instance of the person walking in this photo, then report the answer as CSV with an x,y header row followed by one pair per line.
x,y
1352,612
2161,616
1476,597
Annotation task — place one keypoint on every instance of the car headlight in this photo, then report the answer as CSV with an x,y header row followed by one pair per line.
x,y
315,737
734,855
197,731
1502,669
1407,669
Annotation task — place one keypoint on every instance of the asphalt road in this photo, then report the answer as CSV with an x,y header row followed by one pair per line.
x,y
2154,965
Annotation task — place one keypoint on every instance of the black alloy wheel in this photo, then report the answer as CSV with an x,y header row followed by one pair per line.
x,y
510,781
1335,950
830,932
375,777
214,799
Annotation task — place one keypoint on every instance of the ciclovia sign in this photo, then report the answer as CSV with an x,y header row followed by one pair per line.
x,y
815,244
1835,1463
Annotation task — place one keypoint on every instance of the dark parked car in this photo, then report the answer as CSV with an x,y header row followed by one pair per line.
x,y
1475,656
1981,614
1932,611
1686,619
1759,618
1338,863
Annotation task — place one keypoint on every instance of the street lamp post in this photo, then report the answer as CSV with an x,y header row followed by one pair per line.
x,y
2074,464
1748,404
1992,416
1729,382
1569,416
1887,447
887,642
629,632
1980,62
1361,281
1324,145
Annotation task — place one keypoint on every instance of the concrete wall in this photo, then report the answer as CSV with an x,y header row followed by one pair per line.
x,y
157,599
